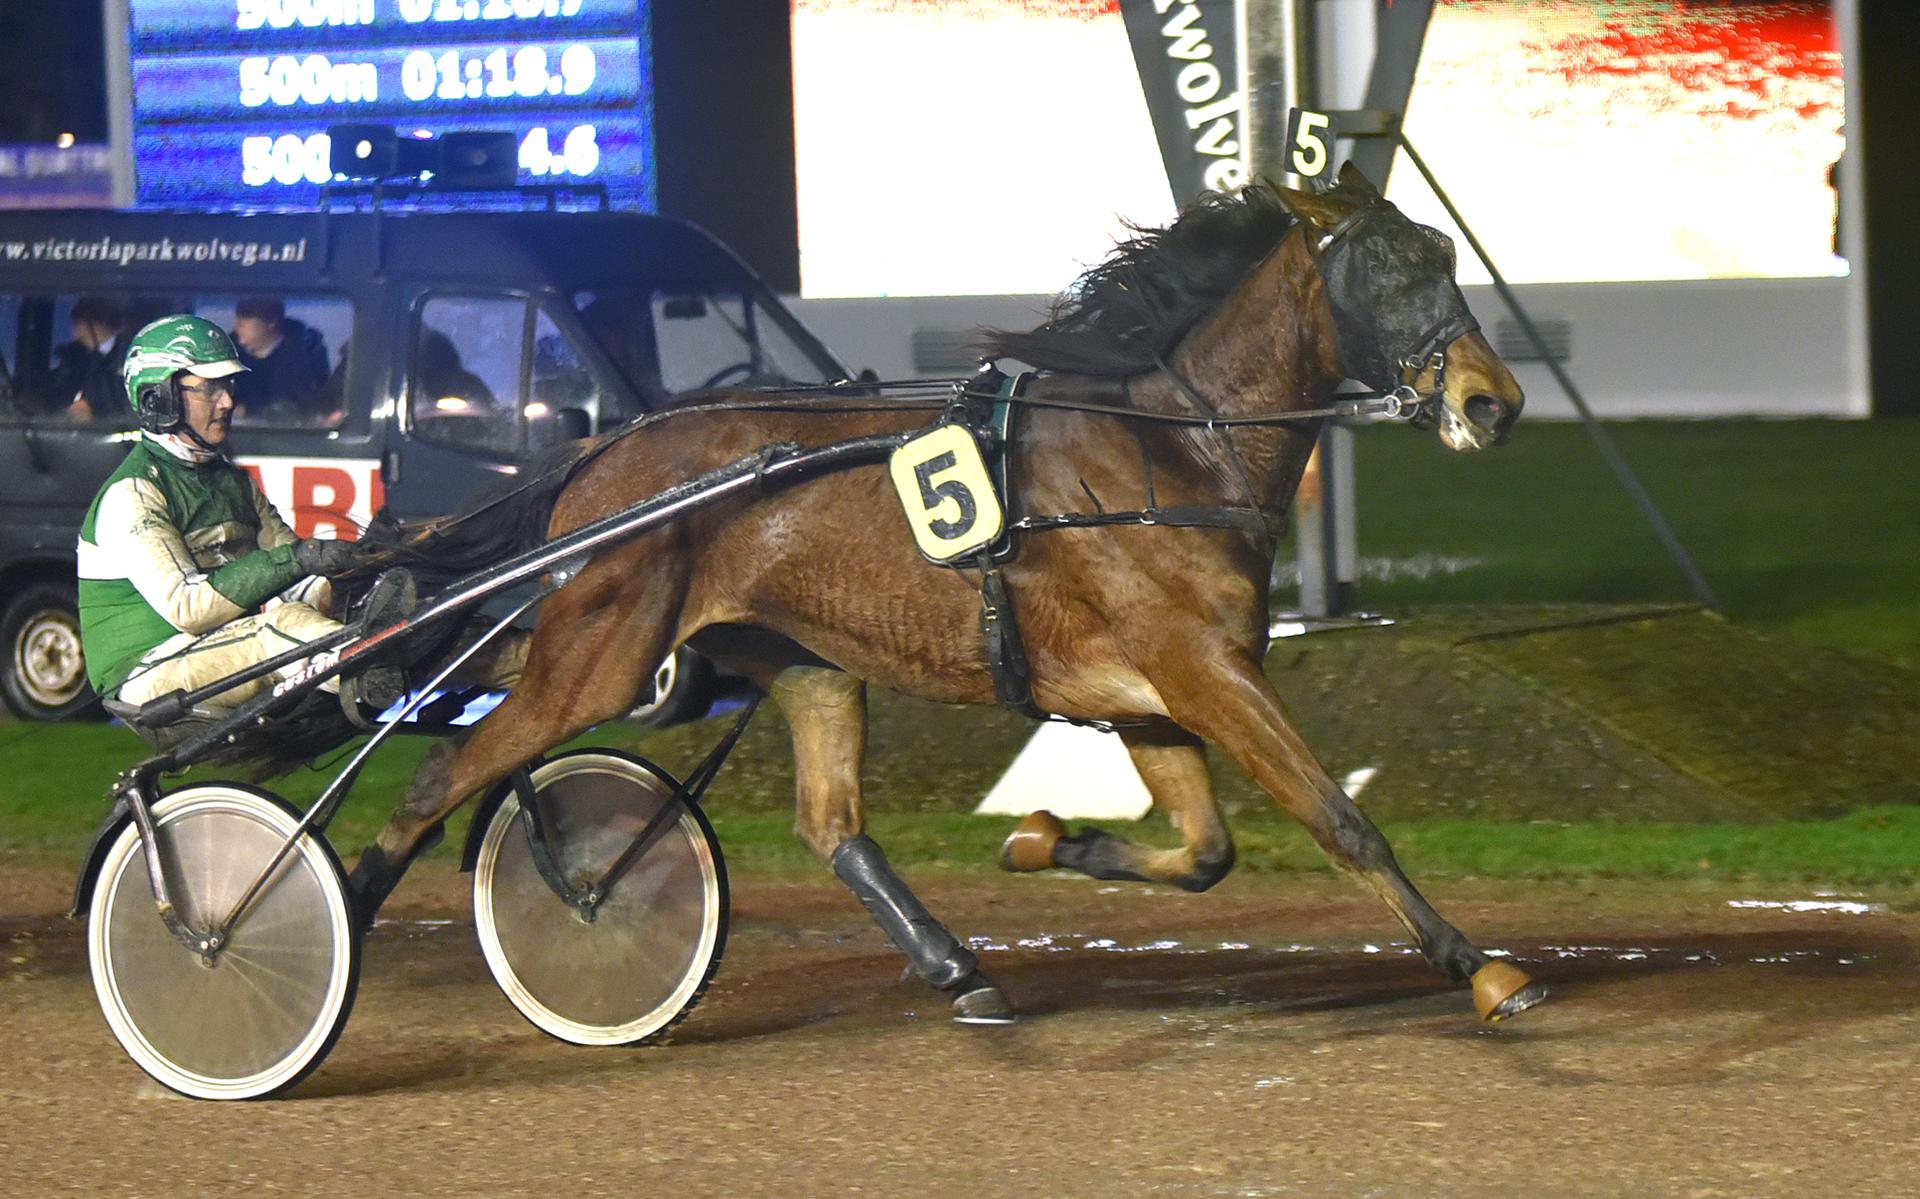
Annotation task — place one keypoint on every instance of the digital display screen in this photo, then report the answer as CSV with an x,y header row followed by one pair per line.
x,y
1584,140
1631,139
232,98
983,147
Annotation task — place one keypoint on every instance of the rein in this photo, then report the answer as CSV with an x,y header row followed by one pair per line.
x,y
1402,403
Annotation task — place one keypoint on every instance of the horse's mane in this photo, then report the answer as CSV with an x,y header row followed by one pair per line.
x,y
1122,316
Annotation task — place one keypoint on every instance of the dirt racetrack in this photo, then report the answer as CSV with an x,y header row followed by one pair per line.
x,y
1266,1039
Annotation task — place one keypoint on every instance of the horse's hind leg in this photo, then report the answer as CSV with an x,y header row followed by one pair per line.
x,y
1234,707
1173,764
827,711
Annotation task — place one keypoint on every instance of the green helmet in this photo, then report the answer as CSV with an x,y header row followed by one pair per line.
x,y
160,352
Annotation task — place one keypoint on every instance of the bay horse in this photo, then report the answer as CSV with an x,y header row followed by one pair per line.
x,y
1249,305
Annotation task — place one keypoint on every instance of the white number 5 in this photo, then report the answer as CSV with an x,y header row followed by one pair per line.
x,y
1309,156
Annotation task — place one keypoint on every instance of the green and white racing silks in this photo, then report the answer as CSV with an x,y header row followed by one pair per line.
x,y
170,548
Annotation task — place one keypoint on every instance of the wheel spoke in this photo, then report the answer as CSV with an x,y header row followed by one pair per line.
x,y
269,1006
651,947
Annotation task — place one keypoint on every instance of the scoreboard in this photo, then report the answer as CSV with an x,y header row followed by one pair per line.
x,y
232,98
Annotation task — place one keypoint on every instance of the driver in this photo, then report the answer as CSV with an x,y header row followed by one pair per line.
x,y
187,574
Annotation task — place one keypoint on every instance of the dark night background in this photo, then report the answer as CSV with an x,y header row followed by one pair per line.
x,y
52,71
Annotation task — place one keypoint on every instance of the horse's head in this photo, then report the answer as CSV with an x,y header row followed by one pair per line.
x,y
1398,317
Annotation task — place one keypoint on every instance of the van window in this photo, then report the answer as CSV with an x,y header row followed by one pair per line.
x,y
63,353
566,401
295,349
670,341
496,373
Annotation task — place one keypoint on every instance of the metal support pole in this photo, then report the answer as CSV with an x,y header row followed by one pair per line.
x,y
1621,470
114,20
1277,63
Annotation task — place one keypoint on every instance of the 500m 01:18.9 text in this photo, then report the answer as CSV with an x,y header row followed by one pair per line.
x,y
425,75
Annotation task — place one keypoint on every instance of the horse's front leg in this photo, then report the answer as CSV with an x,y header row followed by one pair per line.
x,y
1173,764
827,711
1227,700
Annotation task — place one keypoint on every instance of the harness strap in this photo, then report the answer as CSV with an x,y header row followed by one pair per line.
x,y
1006,654
1179,516
1225,439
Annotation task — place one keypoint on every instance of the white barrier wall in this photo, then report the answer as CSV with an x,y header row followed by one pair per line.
x,y
1713,348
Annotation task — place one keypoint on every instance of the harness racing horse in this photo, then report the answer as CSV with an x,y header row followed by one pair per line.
x,y
1246,307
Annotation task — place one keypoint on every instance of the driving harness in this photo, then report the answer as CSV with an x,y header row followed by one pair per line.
x,y
985,405
1386,346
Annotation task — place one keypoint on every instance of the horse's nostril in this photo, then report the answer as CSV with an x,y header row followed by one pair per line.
x,y
1486,411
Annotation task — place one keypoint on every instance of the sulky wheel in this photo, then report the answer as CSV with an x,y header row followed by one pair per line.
x,y
652,945
256,1017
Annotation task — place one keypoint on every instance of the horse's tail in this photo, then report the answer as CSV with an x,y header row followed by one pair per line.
x,y
498,524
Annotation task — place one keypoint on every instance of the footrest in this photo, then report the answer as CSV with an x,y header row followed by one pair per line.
x,y
164,736
392,598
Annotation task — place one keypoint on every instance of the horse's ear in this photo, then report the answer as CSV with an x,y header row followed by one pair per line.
x,y
1351,180
1321,210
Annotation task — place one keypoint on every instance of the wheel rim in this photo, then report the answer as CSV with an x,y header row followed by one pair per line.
x,y
654,941
46,658
269,1008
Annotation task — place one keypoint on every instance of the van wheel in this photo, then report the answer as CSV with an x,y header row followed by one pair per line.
x,y
42,676
681,689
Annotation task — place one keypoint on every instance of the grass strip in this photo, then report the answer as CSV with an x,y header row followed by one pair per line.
x,y
1876,846
1871,846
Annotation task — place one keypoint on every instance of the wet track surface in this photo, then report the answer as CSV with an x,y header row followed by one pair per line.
x,y
1266,1039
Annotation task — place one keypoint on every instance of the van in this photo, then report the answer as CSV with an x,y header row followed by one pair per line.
x,y
405,358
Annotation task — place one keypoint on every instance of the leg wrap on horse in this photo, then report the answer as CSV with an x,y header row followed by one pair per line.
x,y
933,951
1102,855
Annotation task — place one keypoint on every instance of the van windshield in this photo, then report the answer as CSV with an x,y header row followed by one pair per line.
x,y
668,342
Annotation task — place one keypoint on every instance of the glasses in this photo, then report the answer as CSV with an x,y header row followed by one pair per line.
x,y
212,389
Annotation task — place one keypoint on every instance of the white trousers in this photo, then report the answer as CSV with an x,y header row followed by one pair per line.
x,y
187,662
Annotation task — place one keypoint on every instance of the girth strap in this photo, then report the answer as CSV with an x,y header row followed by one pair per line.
x,y
1006,655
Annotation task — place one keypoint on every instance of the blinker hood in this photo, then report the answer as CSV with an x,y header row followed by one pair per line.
x,y
1390,285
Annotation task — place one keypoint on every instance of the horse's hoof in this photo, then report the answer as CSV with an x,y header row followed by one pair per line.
x,y
983,1004
374,877
1030,846
1502,990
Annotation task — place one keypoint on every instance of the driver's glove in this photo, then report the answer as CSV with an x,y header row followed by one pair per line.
x,y
325,558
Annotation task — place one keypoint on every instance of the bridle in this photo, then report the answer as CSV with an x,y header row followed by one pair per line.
x,y
1437,317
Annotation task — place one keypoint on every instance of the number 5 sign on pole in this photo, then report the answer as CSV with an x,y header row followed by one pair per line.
x,y
1309,142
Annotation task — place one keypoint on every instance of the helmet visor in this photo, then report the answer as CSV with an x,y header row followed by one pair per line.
x,y
218,370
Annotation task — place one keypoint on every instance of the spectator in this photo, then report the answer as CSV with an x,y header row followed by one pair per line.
x,y
286,364
446,385
85,379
